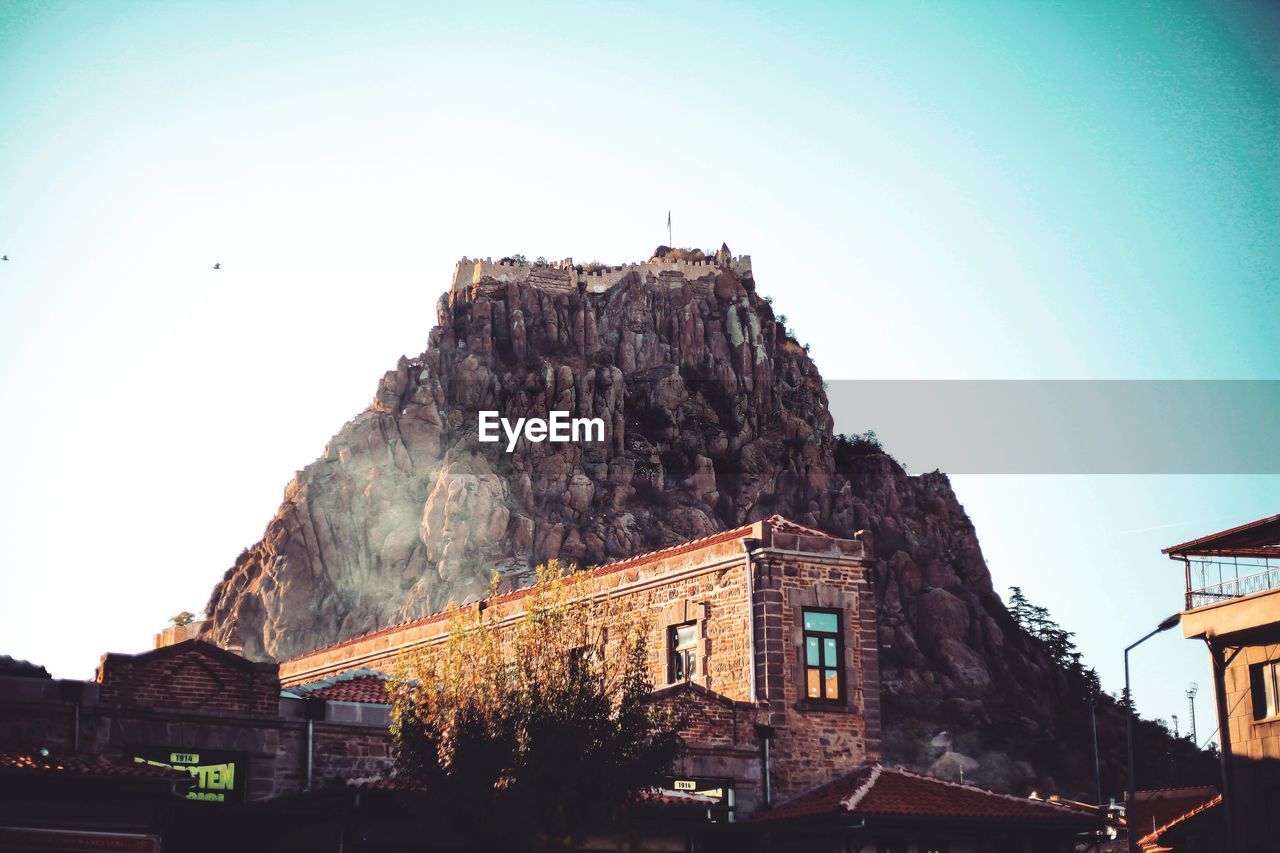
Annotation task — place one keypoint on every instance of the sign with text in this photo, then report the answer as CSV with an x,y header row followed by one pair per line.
x,y
719,795
219,776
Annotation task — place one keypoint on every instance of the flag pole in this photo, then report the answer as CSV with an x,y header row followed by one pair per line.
x,y
669,241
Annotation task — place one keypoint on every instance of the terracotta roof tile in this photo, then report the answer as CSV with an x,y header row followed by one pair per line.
x,y
1159,809
355,685
87,766
1159,831
875,789
368,689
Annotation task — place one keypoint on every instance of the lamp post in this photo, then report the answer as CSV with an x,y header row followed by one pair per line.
x,y
1130,830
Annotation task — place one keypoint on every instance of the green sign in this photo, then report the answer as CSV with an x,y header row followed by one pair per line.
x,y
218,775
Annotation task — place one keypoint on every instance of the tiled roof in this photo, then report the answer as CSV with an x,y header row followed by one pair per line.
x,y
877,790
355,685
776,522
87,766
1159,831
1259,538
1155,810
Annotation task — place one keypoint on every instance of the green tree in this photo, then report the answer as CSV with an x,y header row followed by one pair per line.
x,y
1019,606
527,732
183,619
1057,642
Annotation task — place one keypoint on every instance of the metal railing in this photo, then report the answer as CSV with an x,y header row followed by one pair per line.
x,y
1234,588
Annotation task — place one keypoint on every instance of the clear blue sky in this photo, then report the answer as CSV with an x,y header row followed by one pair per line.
x,y
929,190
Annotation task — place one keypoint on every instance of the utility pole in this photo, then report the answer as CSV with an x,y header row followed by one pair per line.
x,y
1191,703
1097,764
1175,726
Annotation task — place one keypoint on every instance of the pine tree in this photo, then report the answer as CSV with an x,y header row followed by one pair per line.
x,y
1057,642
1019,607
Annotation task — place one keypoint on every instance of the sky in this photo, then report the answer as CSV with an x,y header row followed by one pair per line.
x,y
1069,190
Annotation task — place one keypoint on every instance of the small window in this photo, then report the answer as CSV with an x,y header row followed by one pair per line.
x,y
1264,683
682,652
823,653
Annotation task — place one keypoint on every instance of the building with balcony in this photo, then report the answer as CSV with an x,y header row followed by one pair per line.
x,y
1233,605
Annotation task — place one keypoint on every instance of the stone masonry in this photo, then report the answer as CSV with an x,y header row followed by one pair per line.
x,y
750,725
194,697
736,602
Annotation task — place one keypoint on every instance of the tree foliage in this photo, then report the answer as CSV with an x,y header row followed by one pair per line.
x,y
529,730
849,447
1058,642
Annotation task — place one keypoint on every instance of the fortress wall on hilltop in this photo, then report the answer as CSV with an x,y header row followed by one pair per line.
x,y
564,276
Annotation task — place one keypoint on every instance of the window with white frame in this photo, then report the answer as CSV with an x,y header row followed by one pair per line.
x,y
682,652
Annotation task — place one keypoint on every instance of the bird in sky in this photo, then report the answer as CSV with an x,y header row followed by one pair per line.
x,y
215,266
5,258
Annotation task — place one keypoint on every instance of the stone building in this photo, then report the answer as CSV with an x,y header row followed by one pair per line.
x,y
766,632
770,629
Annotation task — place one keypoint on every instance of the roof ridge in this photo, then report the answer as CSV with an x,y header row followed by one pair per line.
x,y
862,790
902,771
339,678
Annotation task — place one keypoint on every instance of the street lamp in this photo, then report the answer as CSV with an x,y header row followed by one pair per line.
x,y
1129,829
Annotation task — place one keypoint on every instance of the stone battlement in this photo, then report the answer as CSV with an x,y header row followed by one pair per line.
x,y
565,275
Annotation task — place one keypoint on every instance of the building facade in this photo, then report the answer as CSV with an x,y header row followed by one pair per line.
x,y
765,634
769,631
1233,607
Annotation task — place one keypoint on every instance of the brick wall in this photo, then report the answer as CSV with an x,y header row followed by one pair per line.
x,y
706,586
190,674
816,742
345,751
195,696
137,704
34,714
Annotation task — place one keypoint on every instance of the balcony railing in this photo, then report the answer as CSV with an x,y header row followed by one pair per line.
x,y
1234,588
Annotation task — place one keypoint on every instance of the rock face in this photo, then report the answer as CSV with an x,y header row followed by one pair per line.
x,y
713,417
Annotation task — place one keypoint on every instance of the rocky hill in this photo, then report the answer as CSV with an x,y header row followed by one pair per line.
x,y
713,416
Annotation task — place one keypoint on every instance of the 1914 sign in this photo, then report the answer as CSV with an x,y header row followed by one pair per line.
x,y
219,776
